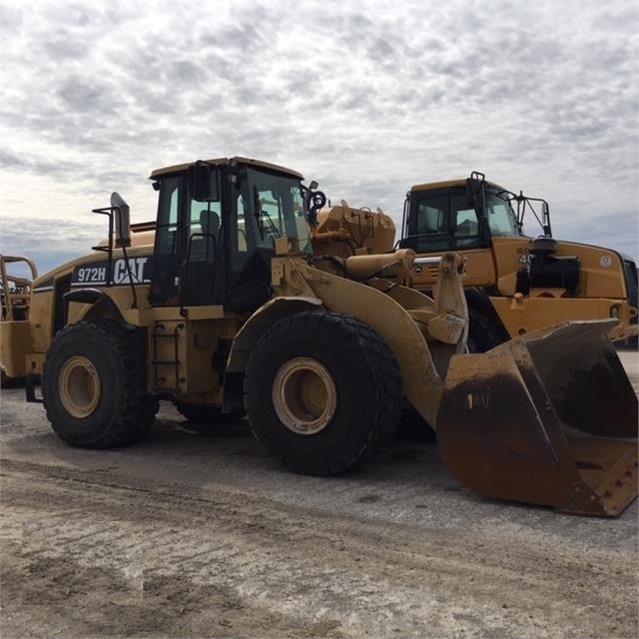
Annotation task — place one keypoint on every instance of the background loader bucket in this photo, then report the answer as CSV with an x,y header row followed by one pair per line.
x,y
549,418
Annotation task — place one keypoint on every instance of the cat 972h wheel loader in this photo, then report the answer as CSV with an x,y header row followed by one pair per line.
x,y
230,310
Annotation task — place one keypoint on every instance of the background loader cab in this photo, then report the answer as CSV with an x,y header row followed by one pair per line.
x,y
515,283
466,215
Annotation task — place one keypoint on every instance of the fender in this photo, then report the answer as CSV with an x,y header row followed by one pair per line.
x,y
273,311
101,305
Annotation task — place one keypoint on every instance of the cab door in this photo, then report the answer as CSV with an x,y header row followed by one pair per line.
x,y
189,247
169,243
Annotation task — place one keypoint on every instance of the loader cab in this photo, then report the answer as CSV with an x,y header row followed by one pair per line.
x,y
217,223
448,218
467,214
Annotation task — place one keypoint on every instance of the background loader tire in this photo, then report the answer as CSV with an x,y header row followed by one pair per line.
x,y
200,414
204,419
9,382
347,361
483,333
414,428
90,387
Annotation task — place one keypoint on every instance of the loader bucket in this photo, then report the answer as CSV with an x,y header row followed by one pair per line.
x,y
549,418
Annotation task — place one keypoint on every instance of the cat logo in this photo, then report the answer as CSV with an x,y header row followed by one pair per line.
x,y
133,270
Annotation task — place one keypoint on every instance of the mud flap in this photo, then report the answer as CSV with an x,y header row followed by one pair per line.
x,y
549,418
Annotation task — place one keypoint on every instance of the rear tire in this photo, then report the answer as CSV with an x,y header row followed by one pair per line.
x,y
323,392
90,387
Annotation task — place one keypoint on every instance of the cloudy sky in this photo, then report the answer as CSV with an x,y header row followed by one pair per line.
x,y
365,97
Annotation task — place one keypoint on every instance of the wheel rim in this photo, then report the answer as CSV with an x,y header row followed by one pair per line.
x,y
79,386
304,396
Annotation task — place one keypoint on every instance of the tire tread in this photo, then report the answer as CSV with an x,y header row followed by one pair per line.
x,y
385,396
137,412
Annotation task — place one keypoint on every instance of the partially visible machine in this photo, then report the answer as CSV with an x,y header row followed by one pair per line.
x,y
516,283
15,298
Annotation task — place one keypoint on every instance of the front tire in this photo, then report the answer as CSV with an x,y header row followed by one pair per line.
x,y
90,387
322,392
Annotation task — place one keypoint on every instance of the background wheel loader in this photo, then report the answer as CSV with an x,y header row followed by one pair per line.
x,y
515,283
229,309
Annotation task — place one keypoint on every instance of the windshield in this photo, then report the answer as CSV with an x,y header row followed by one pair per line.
x,y
501,217
278,207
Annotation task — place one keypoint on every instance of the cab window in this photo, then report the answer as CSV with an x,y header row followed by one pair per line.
x,y
431,216
168,206
203,230
464,223
501,217
445,222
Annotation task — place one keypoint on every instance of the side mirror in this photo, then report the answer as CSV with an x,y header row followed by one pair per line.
x,y
203,183
473,193
474,190
546,219
470,192
316,200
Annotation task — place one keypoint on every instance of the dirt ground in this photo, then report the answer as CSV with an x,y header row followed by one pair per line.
x,y
187,535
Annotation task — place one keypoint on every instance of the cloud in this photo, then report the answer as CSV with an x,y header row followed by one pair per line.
x,y
49,242
367,97
38,165
602,230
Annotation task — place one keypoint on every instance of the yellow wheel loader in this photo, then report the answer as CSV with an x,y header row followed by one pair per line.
x,y
229,309
515,283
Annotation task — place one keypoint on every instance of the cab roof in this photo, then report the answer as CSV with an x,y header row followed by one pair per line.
x,y
432,186
177,168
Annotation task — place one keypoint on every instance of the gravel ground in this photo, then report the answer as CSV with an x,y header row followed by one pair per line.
x,y
187,535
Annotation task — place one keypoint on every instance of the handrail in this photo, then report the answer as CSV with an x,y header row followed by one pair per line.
x,y
16,291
